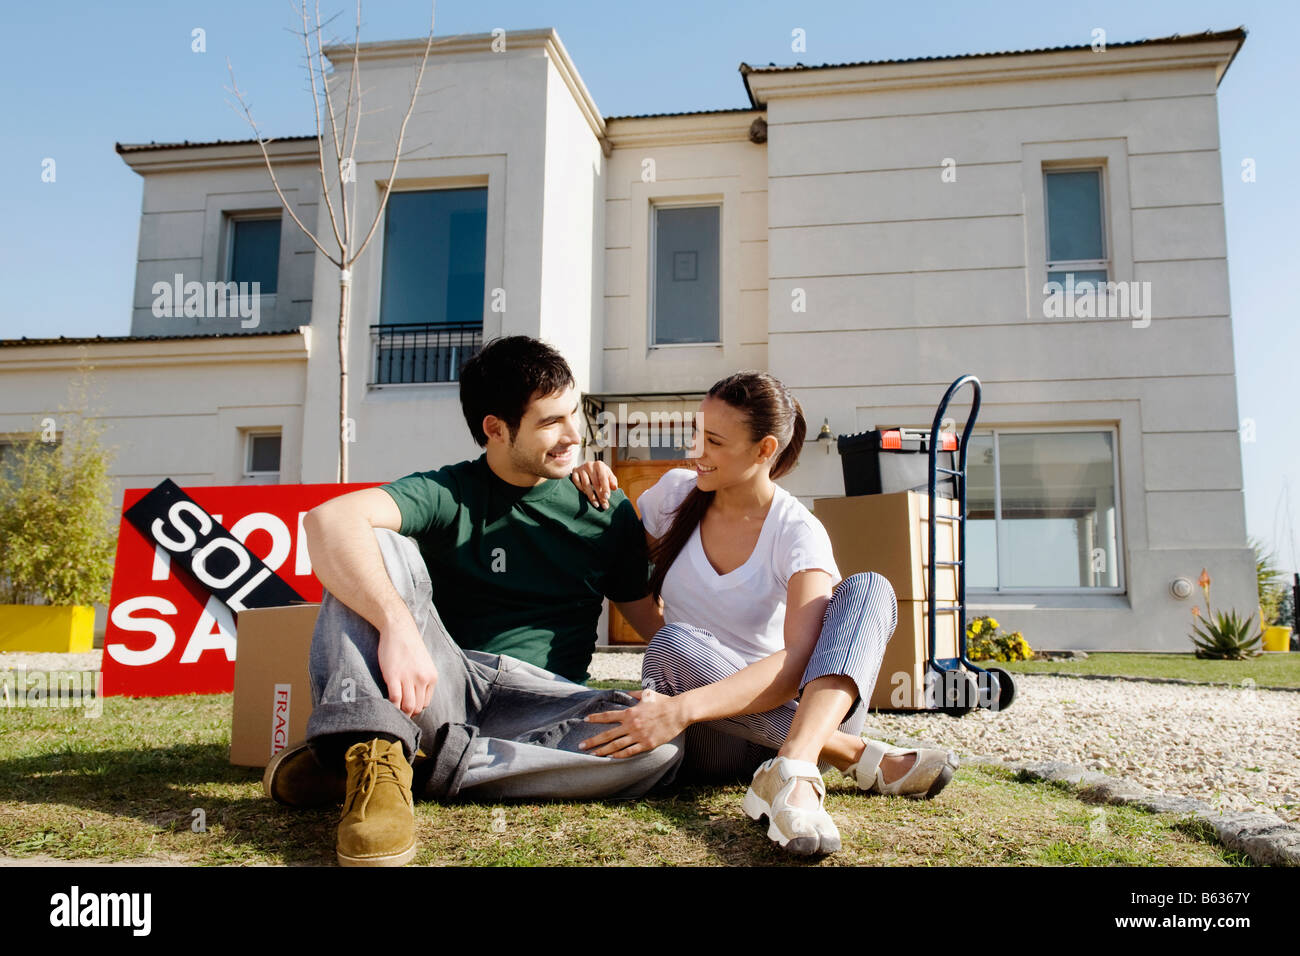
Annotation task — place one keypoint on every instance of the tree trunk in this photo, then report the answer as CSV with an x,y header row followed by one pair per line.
x,y
345,290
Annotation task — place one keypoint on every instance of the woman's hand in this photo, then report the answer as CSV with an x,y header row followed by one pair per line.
x,y
595,480
656,720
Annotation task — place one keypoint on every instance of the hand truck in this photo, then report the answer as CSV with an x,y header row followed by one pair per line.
x,y
949,684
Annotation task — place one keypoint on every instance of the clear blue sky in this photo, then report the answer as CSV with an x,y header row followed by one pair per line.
x,y
96,73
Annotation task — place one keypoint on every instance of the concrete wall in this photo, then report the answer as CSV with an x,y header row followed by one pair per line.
x,y
912,281
188,198
503,120
706,158
173,409
572,226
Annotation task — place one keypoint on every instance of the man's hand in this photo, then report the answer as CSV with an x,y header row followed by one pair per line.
x,y
654,721
408,669
595,480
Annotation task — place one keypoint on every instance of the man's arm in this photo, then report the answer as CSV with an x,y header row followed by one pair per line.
x,y
347,561
646,614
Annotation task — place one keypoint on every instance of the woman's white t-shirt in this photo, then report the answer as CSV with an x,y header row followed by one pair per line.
x,y
744,609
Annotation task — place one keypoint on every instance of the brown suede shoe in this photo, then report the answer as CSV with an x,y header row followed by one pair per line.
x,y
378,825
296,779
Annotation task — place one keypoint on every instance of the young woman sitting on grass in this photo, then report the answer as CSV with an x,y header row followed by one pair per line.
x,y
767,658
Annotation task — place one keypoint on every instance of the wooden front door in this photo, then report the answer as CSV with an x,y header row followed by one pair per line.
x,y
635,477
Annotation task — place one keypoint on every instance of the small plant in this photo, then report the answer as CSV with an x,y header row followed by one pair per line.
x,y
1220,636
1270,582
985,642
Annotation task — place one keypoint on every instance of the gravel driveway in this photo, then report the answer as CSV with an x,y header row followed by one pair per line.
x,y
1234,748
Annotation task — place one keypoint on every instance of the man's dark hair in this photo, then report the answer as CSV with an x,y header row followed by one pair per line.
x,y
504,376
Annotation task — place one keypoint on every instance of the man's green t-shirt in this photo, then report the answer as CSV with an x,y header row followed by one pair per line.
x,y
522,571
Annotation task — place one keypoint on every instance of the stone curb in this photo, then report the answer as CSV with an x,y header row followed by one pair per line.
x,y
1264,837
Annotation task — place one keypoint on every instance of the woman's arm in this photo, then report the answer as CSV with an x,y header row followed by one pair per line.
x,y
773,680
761,686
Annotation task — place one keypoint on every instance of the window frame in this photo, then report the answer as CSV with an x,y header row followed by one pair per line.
x,y
424,185
11,439
1111,154
652,263
249,435
1079,265
235,216
1120,569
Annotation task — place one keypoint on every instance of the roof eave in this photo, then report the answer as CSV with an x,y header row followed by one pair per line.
x,y
761,83
147,158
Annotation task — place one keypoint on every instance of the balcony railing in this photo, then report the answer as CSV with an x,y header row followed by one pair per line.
x,y
422,351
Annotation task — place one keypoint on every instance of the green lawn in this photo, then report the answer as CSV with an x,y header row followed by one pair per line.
x,y
1267,670
128,784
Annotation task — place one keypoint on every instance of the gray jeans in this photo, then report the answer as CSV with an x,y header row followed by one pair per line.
x,y
496,727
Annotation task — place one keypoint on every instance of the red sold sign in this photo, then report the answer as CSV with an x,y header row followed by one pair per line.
x,y
167,632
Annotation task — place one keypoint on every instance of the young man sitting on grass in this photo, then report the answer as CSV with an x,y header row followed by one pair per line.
x,y
469,643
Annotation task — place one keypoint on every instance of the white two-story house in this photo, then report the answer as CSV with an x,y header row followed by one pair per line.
x,y
868,232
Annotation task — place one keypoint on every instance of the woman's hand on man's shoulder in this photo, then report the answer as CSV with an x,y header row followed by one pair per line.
x,y
596,480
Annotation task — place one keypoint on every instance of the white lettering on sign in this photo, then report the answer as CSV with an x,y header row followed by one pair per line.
x,y
164,638
200,564
188,538
280,717
215,631
282,544
162,564
264,521
302,562
237,599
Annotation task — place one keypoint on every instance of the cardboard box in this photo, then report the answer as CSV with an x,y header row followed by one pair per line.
x,y
900,685
272,686
890,534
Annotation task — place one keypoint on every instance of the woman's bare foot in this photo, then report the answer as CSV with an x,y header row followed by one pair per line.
x,y
894,766
803,796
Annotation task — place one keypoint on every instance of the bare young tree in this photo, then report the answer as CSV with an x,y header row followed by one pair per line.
x,y
342,165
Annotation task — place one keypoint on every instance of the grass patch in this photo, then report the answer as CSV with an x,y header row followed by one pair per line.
x,y
128,784
1267,670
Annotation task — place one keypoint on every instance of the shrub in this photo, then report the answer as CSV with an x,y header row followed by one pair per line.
x,y
56,516
986,642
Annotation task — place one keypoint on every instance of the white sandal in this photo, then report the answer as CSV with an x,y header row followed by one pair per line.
x,y
797,829
926,777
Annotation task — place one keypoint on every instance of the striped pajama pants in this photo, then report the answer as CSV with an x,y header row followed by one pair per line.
x,y
858,623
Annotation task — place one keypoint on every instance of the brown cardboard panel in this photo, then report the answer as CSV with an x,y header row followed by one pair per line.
x,y
272,687
890,534
901,682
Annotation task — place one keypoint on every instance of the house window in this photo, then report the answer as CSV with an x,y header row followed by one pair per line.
x,y
254,254
1042,511
9,452
1076,230
262,458
432,287
684,275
